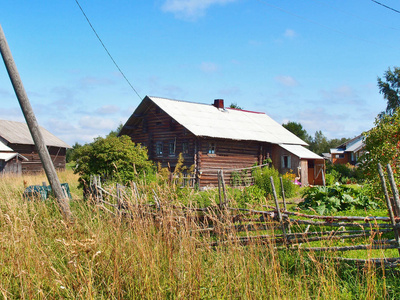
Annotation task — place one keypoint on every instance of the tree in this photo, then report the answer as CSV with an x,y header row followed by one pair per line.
x,y
382,145
113,158
235,106
69,156
389,86
320,143
298,130
117,131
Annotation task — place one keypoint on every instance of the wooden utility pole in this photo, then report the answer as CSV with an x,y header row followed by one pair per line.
x,y
33,126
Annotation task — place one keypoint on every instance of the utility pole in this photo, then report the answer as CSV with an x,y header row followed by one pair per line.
x,y
33,127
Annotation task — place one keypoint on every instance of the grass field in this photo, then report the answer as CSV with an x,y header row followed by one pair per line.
x,y
99,256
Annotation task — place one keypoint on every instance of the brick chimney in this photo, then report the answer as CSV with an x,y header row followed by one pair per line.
x,y
219,103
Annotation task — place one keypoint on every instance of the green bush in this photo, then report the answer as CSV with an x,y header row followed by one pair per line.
x,y
336,198
263,181
113,158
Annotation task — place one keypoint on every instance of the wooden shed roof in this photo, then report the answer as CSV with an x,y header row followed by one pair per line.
x,y
209,121
18,133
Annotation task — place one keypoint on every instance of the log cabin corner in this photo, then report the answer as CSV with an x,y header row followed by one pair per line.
x,y
214,137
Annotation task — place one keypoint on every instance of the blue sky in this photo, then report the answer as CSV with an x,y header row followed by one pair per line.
x,y
315,62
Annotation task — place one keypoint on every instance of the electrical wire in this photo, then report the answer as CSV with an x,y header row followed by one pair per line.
x,y
388,7
105,48
322,25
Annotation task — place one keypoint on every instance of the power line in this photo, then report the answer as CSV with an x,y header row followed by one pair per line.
x,y
388,7
322,25
105,48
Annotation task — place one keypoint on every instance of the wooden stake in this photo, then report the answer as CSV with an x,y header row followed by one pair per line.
x,y
33,126
394,190
278,210
388,203
283,194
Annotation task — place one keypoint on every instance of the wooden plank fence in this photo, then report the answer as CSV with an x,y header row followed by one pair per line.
x,y
286,229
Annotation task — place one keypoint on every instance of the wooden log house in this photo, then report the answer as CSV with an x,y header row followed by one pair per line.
x,y
16,136
213,137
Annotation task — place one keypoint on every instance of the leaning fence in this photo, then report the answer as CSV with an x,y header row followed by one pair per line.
x,y
273,225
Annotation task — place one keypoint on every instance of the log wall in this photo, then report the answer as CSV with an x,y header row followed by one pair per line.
x,y
34,163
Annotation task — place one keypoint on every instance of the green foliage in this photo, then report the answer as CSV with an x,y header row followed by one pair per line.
x,y
343,173
263,181
390,87
251,195
382,145
113,158
235,106
69,156
298,130
336,198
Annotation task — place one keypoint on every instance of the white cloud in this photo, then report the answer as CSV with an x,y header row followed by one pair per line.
x,y
191,9
290,33
208,67
107,110
287,81
98,123
343,94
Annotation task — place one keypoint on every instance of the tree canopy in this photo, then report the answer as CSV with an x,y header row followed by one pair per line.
x,y
382,145
298,130
389,86
113,158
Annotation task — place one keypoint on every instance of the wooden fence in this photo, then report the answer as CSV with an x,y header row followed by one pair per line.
x,y
275,225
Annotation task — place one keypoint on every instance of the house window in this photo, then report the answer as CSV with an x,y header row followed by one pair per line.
x,y
185,148
339,155
211,148
171,148
159,148
286,162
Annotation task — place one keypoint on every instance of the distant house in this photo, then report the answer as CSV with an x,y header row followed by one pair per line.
x,y
16,136
348,152
213,137
10,161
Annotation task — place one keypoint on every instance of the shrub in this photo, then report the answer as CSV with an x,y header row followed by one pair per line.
x,y
262,180
338,198
113,158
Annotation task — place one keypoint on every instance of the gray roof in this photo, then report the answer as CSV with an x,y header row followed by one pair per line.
x,y
208,121
18,133
5,148
300,151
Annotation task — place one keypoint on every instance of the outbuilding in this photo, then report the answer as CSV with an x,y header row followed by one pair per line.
x,y
16,136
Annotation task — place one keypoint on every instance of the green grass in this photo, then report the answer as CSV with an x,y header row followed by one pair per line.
x,y
100,256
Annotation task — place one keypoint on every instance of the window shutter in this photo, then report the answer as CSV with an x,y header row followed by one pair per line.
x,y
289,161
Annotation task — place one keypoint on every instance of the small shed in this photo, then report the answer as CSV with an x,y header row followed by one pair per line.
x,y
17,137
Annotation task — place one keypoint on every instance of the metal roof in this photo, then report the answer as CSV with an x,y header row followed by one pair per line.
x,y
5,148
8,156
18,133
354,147
300,151
208,121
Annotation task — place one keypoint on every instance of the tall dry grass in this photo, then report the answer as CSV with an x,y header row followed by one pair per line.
x,y
101,256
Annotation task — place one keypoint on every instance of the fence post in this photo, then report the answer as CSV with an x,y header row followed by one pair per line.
x,y
283,194
279,211
388,203
395,191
